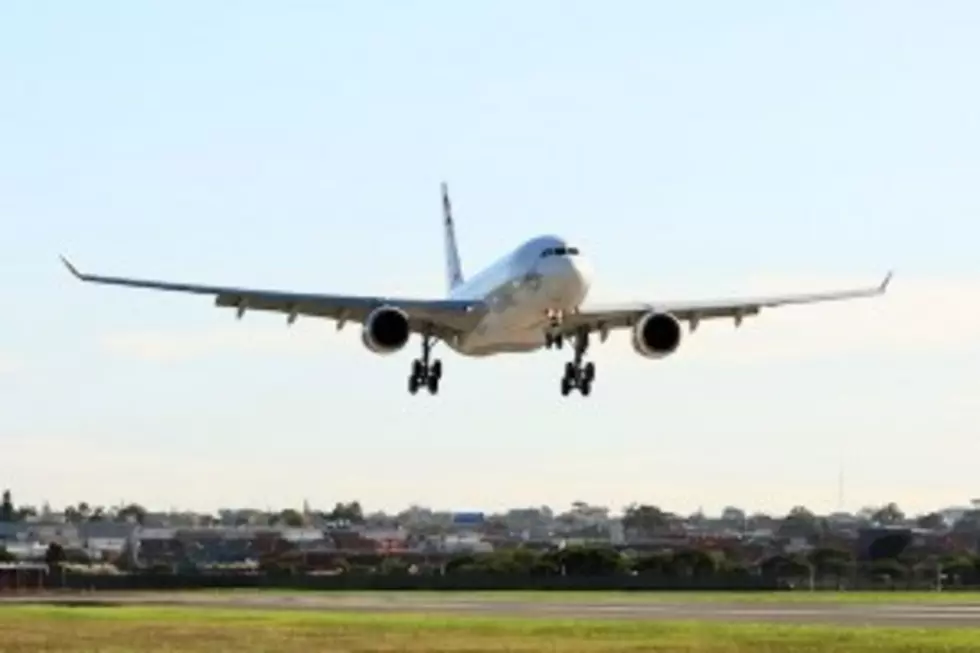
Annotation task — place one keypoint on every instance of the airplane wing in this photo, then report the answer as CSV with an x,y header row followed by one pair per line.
x,y
604,318
443,317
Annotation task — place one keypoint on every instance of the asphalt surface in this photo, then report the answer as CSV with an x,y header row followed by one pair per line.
x,y
921,615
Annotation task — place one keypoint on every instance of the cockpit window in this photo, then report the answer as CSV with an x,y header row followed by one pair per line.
x,y
560,251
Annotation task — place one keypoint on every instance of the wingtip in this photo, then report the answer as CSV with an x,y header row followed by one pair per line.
x,y
71,268
885,282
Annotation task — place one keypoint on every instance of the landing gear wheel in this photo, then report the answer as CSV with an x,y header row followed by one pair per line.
x,y
570,372
588,372
566,386
424,373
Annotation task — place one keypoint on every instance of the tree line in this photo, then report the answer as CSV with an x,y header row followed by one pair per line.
x,y
823,564
574,567
83,512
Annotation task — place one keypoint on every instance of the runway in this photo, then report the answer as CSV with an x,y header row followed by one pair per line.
x,y
921,615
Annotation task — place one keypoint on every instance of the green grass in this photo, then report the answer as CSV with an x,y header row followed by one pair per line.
x,y
798,596
35,629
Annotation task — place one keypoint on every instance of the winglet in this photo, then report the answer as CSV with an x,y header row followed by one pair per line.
x,y
884,284
72,268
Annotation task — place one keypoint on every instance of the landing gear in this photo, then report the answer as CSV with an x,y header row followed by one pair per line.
x,y
553,337
576,374
424,373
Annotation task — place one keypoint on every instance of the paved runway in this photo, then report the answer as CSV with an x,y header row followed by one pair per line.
x,y
873,614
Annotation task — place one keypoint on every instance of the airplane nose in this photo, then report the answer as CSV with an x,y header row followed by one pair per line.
x,y
581,271
571,276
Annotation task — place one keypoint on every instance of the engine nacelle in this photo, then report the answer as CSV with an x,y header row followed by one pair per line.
x,y
656,335
385,330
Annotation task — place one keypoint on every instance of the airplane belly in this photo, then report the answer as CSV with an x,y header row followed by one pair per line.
x,y
514,327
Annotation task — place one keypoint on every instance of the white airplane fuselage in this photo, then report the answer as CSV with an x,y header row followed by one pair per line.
x,y
541,276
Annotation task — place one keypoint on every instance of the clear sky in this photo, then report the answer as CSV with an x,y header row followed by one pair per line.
x,y
691,150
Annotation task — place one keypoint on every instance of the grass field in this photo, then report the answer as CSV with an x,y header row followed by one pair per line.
x,y
73,630
628,597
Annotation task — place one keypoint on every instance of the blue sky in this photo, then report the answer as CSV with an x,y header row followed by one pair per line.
x,y
691,151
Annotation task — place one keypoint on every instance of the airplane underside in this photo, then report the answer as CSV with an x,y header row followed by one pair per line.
x,y
506,338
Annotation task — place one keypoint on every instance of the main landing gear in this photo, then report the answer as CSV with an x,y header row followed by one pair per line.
x,y
424,373
578,375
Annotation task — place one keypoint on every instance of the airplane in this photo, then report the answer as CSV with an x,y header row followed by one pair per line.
x,y
531,298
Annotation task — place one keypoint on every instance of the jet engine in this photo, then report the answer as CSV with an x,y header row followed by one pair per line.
x,y
656,335
385,330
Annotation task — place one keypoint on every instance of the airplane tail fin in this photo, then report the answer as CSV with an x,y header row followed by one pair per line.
x,y
454,271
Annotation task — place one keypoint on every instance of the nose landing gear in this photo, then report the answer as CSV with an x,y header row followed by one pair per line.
x,y
553,337
425,373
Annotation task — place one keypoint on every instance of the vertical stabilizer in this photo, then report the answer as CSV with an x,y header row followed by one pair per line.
x,y
454,271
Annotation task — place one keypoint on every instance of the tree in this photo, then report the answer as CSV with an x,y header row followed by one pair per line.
x,y
72,516
733,516
694,562
828,561
351,512
866,514
132,513
957,566
800,522
762,521
889,568
291,518
586,561
932,521
654,564
54,557
7,507
783,567
888,515
697,518
512,562
24,513
644,520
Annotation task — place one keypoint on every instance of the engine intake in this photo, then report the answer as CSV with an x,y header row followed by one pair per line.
x,y
385,330
656,335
